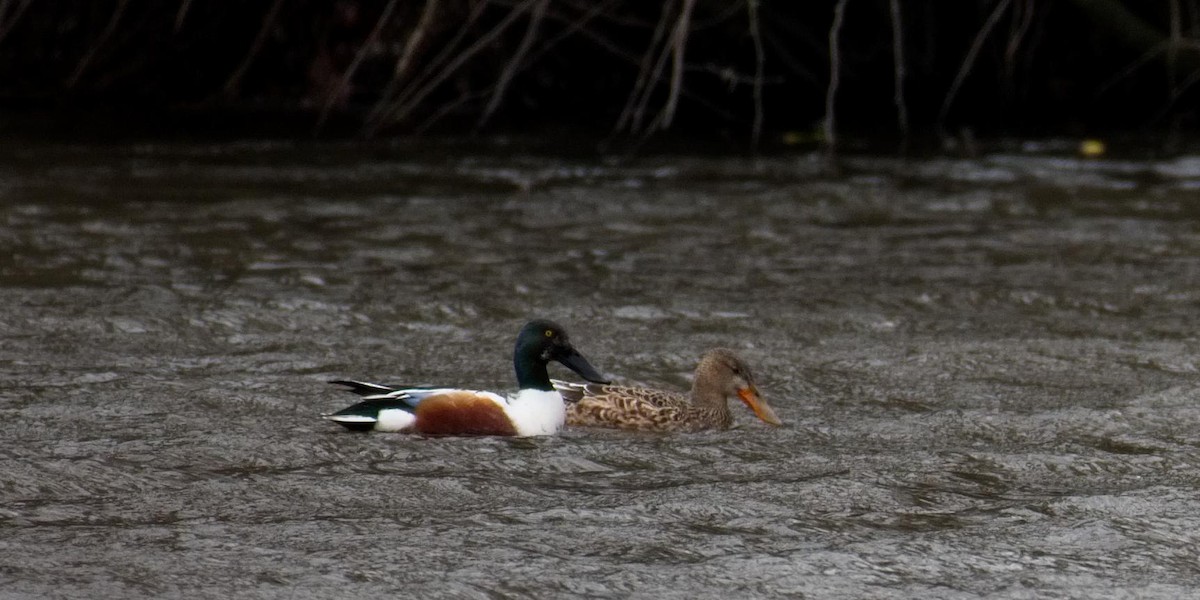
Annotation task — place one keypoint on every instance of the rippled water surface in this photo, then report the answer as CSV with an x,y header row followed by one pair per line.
x,y
988,369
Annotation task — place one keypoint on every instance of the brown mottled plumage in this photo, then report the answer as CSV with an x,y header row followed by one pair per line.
x,y
720,375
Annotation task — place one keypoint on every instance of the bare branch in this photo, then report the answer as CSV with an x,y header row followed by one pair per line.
x,y
445,109
1177,92
673,49
13,18
679,44
1024,13
104,35
400,109
969,59
343,83
631,115
1176,41
574,26
235,79
184,7
1141,61
759,60
415,38
374,120
835,67
514,63
449,49
781,49
391,98
898,69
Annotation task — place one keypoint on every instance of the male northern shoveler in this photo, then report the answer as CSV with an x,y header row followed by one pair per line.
x,y
537,409
720,375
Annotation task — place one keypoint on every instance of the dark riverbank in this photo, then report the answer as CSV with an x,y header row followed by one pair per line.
x,y
743,71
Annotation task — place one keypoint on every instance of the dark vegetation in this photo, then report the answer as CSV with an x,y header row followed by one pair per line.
x,y
743,70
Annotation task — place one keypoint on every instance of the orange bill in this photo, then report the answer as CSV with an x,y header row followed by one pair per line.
x,y
761,409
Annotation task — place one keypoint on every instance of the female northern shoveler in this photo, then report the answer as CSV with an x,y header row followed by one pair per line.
x,y
537,409
720,374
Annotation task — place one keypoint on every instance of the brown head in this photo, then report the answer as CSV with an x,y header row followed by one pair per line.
x,y
722,372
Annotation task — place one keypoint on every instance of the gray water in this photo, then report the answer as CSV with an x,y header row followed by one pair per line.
x,y
988,369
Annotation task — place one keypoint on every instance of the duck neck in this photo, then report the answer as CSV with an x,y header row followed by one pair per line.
x,y
531,370
708,396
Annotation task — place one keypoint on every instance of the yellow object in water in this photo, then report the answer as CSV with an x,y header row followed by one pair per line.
x,y
795,138
1092,148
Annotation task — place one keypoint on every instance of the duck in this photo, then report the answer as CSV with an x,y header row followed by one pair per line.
x,y
535,409
721,374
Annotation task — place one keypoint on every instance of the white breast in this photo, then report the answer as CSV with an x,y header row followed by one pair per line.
x,y
535,412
